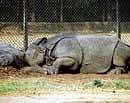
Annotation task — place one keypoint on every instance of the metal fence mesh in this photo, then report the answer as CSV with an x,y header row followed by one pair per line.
x,y
47,17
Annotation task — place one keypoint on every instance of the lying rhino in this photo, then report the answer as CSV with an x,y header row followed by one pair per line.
x,y
78,53
11,56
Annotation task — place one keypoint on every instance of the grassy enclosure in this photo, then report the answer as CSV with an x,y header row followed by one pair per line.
x,y
78,88
42,84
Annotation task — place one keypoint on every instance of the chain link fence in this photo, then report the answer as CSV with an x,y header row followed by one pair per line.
x,y
44,18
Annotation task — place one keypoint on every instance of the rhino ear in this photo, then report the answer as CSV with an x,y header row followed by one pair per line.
x,y
43,40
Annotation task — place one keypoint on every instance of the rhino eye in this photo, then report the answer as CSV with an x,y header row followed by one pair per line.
x,y
40,50
44,50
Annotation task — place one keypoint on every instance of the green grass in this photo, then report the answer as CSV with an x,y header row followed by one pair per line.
x,y
46,86
122,84
26,85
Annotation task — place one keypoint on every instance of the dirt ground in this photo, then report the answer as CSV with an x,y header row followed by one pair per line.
x,y
120,96
10,72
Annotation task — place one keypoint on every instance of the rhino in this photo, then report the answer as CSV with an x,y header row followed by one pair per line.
x,y
75,53
11,56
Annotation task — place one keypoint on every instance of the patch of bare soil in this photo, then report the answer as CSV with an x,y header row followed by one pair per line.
x,y
9,71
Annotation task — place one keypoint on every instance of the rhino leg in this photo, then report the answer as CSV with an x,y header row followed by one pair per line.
x,y
33,69
121,57
61,63
117,70
54,69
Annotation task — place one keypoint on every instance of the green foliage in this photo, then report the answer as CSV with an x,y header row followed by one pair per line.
x,y
119,84
97,83
17,86
41,86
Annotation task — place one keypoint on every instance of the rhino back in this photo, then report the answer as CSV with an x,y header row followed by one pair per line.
x,y
9,54
98,52
6,48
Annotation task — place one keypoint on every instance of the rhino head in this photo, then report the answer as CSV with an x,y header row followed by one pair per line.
x,y
35,54
42,51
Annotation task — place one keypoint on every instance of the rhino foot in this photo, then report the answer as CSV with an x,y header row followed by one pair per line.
x,y
117,70
48,70
33,69
26,69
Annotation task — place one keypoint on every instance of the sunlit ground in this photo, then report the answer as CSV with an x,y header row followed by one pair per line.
x,y
65,88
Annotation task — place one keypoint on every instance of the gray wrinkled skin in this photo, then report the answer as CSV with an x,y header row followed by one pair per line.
x,y
10,56
78,53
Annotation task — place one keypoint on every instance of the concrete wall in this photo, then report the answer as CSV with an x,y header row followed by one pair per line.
x,y
12,33
84,27
87,27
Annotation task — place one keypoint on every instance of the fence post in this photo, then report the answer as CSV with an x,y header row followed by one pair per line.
x,y
25,24
61,11
118,19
